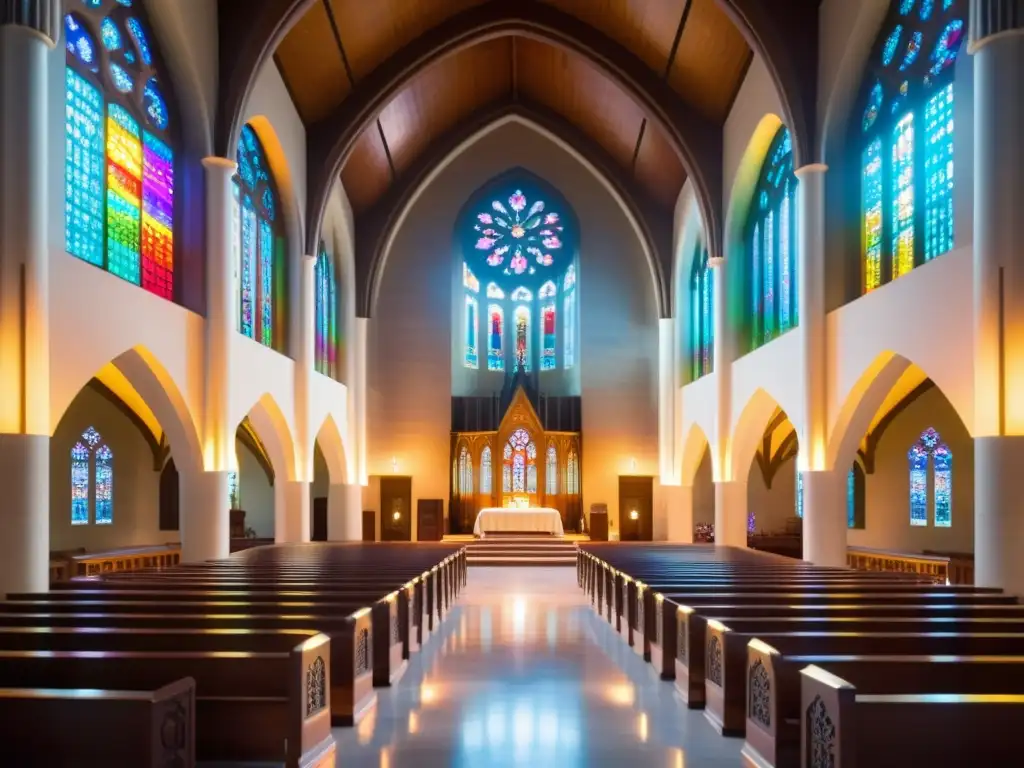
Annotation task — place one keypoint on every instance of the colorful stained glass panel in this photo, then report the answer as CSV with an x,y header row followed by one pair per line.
x,y
104,485
471,357
943,460
547,360
938,173
248,276
124,192
83,170
157,217
80,482
871,192
903,196
918,459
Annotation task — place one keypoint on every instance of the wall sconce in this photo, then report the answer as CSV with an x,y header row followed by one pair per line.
x,y
634,515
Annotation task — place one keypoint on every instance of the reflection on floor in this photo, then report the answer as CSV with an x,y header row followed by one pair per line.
x,y
525,674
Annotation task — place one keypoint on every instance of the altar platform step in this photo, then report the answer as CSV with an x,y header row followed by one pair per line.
x,y
496,550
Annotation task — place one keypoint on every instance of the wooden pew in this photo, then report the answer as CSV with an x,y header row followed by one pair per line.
x,y
272,706
725,678
351,673
843,728
126,559
773,680
47,725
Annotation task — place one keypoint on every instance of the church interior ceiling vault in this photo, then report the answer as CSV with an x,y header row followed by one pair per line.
x,y
383,87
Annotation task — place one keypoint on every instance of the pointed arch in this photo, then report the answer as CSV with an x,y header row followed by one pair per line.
x,y
270,424
332,446
122,135
749,430
694,447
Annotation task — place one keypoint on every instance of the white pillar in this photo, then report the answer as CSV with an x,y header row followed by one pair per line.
x,y
680,513
221,313
357,383
291,511
303,350
205,521
667,463
811,308
723,352
28,33
345,512
997,44
731,514
825,523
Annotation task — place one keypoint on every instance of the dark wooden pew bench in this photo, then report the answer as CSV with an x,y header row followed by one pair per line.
x,y
133,728
847,729
773,684
725,678
272,706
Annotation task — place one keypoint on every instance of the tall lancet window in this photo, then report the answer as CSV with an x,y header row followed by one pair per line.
x,y
485,470
522,338
771,233
92,480
326,287
495,338
465,472
904,132
569,317
551,471
547,325
119,145
931,473
701,315
471,322
572,473
261,245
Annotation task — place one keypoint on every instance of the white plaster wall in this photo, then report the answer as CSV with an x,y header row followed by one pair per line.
x,y
255,493
772,507
136,483
410,374
704,492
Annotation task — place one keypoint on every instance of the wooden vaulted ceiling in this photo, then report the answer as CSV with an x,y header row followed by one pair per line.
x,y
690,44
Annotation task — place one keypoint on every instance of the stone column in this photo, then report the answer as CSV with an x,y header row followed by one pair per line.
x,y
667,363
345,512
28,33
997,44
811,308
291,511
825,526
205,522
357,386
304,355
731,513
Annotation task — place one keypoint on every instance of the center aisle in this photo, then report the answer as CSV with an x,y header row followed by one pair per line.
x,y
524,673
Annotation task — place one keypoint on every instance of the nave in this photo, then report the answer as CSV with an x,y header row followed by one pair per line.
x,y
525,673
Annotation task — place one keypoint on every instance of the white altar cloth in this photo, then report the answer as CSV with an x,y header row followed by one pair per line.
x,y
518,519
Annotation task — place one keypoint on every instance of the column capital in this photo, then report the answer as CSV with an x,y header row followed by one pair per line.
x,y
43,17
213,162
990,19
810,168
309,258
716,262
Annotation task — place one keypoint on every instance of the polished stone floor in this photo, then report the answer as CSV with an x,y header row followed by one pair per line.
x,y
524,673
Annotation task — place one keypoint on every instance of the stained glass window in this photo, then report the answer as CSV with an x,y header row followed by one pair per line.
x,y
495,339
472,360
494,292
92,480
506,469
906,138
918,458
522,294
465,473
930,452
569,322
469,281
522,339
771,233
326,288
701,315
799,492
855,486
572,473
551,470
520,463
485,470
234,497
943,459
547,354
518,236
119,148
261,243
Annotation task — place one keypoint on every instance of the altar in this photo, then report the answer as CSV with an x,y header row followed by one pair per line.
x,y
519,520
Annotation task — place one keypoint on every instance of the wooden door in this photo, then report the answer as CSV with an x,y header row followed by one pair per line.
x,y
369,525
319,519
636,508
396,508
429,519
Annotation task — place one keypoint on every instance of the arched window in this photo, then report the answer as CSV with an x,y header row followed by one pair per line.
x,y
572,473
930,451
905,135
92,480
569,317
495,338
522,338
119,146
701,315
261,243
771,234
520,464
547,350
326,314
465,473
506,469
485,470
551,470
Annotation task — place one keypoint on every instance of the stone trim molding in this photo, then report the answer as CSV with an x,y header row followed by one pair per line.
x,y
45,17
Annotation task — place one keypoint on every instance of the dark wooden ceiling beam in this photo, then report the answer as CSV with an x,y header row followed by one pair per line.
x,y
675,42
696,140
248,33
378,223
788,43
